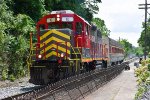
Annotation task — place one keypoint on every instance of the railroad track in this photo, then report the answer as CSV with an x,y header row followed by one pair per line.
x,y
73,88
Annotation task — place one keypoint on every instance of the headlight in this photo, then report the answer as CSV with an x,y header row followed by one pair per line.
x,y
58,19
39,56
58,15
62,55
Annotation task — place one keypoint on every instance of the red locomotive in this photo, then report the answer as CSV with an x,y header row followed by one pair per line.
x,y
68,45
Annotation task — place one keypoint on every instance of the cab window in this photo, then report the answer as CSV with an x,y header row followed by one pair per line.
x,y
67,25
78,28
53,26
41,27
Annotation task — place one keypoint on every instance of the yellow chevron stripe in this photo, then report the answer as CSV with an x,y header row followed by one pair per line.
x,y
45,35
55,39
61,34
55,32
55,46
52,53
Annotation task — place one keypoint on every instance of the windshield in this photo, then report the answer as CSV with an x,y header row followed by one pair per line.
x,y
60,25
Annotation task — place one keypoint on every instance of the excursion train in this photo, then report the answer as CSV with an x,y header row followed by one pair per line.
x,y
68,45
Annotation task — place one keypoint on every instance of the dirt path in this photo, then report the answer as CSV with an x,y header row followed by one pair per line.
x,y
123,87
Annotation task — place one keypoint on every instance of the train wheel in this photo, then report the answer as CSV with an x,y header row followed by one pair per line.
x,y
82,69
48,76
87,67
104,64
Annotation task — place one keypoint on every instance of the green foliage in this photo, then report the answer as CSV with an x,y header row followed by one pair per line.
x,y
147,82
138,51
32,8
144,38
148,67
11,78
4,73
18,50
127,46
140,92
84,8
101,25
143,75
23,25
140,70
36,8
14,42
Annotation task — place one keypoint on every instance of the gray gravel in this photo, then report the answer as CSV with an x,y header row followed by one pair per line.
x,y
17,87
146,95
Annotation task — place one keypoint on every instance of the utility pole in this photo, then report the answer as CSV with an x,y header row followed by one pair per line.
x,y
145,7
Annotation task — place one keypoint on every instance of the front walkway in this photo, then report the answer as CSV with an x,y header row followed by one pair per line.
x,y
123,87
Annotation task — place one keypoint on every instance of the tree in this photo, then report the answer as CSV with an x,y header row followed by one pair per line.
x,y
84,8
138,51
92,5
101,25
127,46
33,8
144,39
14,37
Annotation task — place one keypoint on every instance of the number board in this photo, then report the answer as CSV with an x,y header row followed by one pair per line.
x,y
50,20
67,19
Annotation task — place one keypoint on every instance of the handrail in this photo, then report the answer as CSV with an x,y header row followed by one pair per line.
x,y
38,46
77,41
76,55
57,44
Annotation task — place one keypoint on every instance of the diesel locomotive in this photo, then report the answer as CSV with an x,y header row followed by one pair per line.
x,y
68,45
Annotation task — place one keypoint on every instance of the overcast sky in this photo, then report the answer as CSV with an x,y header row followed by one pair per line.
x,y
123,18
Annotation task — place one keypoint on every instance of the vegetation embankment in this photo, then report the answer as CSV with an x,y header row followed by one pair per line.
x,y
143,79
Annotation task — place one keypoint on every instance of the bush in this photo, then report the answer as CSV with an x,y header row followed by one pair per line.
x,y
147,81
148,67
140,92
143,75
143,62
14,41
4,73
149,55
140,70
12,78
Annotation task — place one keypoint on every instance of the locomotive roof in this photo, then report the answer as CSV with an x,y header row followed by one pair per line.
x,y
68,12
62,12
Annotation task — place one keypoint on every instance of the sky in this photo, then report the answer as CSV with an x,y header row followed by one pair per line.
x,y
123,18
